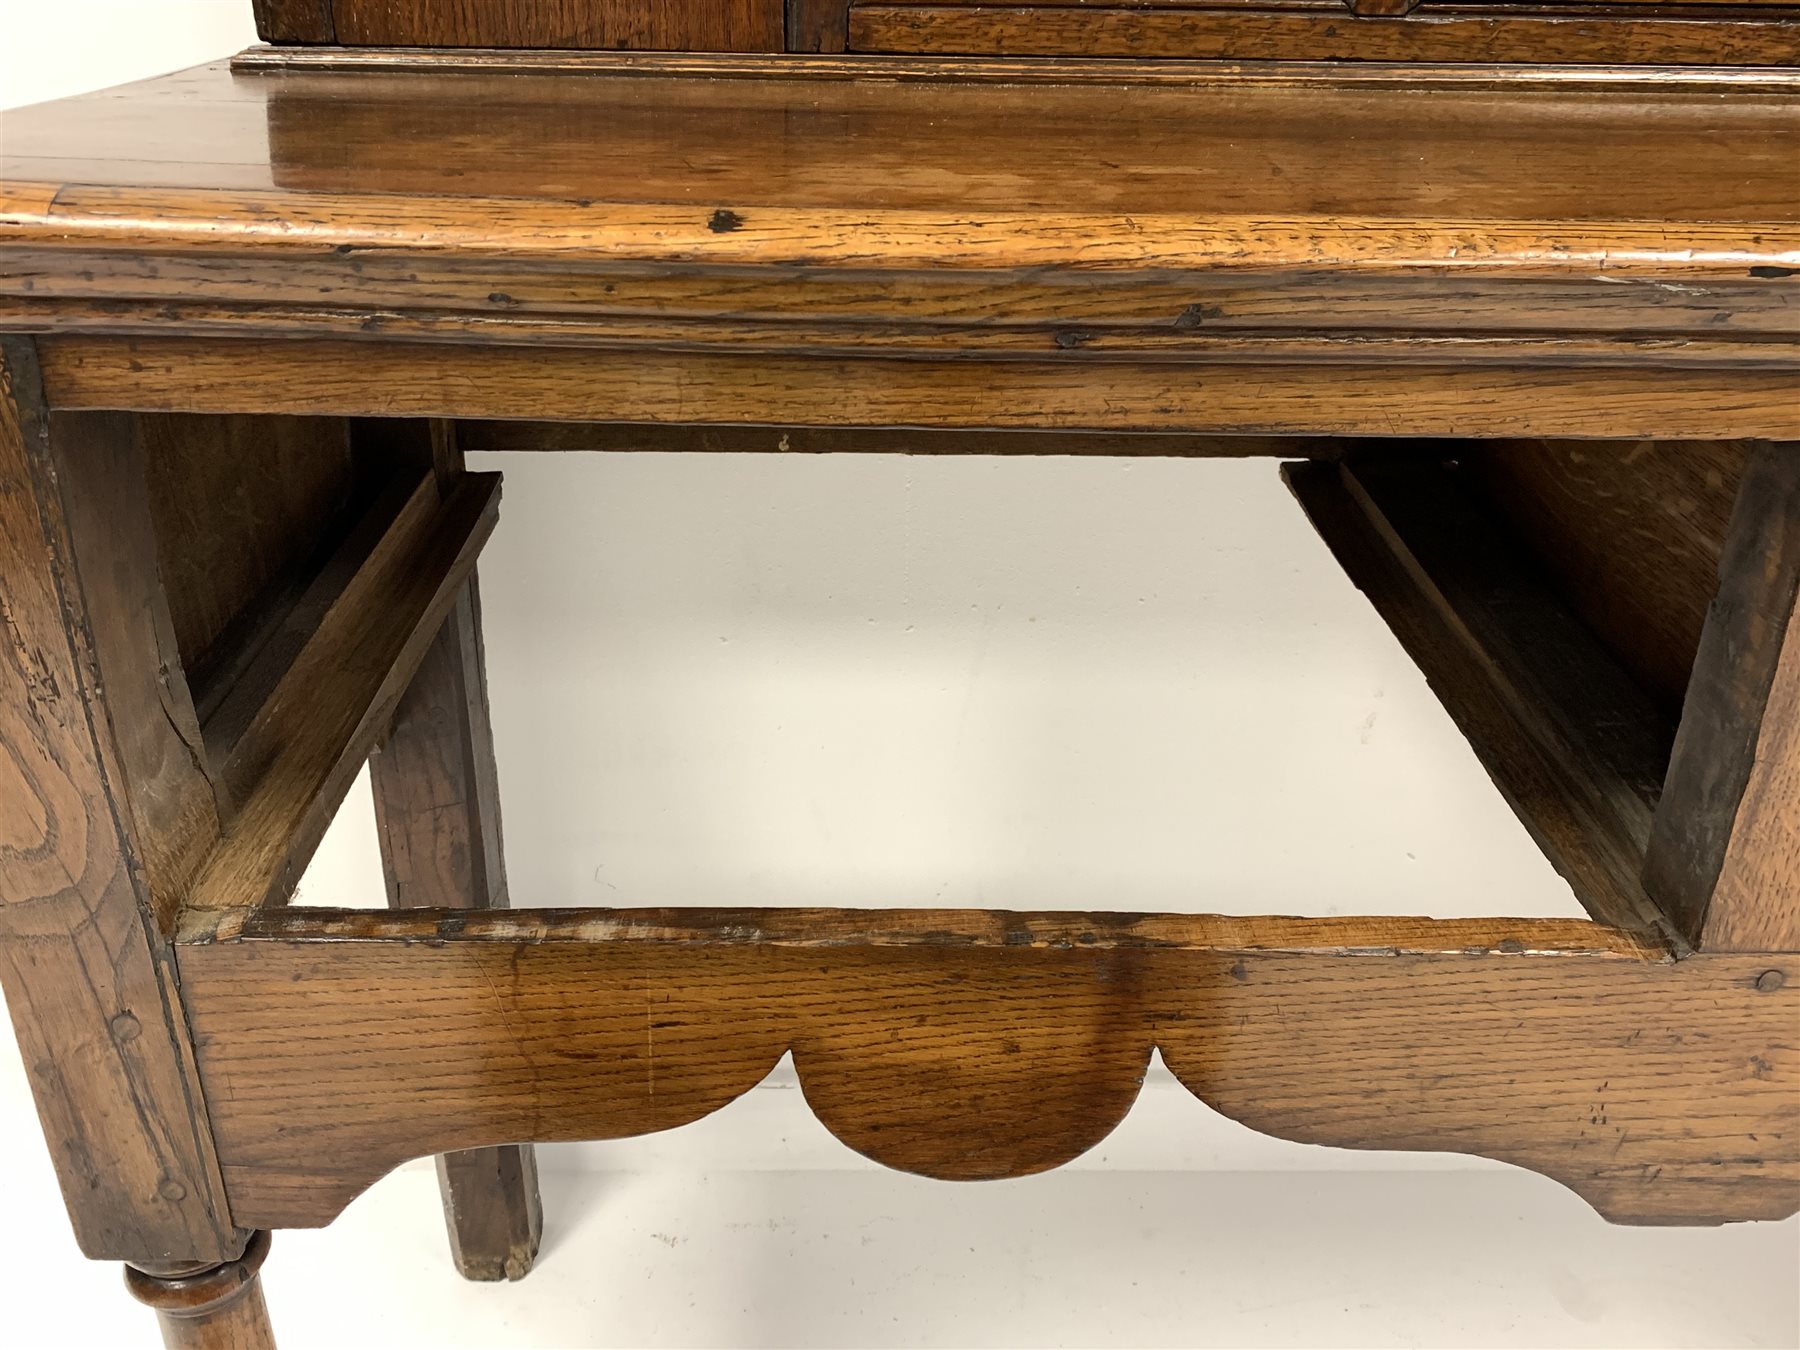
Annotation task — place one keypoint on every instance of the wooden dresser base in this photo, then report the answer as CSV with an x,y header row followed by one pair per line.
x,y
1541,407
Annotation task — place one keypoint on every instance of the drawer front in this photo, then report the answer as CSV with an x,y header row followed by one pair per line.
x,y
1756,34
575,25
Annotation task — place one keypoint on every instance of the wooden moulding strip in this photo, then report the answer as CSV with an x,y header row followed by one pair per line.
x,y
1576,748
828,928
1026,341
297,756
1585,315
443,380
334,1045
285,223
997,69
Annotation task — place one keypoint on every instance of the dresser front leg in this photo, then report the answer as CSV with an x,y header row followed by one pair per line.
x,y
209,1307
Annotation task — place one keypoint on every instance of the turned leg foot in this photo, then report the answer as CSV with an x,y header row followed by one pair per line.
x,y
209,1307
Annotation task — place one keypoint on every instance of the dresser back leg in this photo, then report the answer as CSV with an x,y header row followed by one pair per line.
x,y
437,808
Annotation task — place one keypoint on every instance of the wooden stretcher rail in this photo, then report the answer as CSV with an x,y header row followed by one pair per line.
x,y
334,1045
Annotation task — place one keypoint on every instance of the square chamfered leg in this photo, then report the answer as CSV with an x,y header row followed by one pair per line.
x,y
438,816
437,810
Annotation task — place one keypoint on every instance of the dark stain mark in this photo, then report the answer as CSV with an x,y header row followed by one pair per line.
x,y
724,222
1195,315
1760,1067
1072,339
1770,980
1239,973
1769,273
1511,946
500,298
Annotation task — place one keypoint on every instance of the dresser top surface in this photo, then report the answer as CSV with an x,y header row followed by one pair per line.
x,y
760,145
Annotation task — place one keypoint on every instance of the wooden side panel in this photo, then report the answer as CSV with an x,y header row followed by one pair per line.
x,y
86,973
586,25
968,1045
165,784
323,717
240,504
1576,749
1631,532
1724,854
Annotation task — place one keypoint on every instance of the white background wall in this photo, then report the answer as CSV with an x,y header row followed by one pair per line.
x,y
942,681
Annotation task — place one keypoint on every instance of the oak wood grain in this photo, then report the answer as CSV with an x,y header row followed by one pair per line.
x,y
1630,534
437,793
437,814
165,782
85,967
1574,746
319,724
966,1045
269,704
1447,32
499,435
242,507
817,25
210,1307
294,21
1067,393
1725,852
1166,341
676,25
761,205
1059,70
